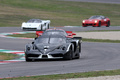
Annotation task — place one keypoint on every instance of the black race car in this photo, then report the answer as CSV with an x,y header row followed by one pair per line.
x,y
53,47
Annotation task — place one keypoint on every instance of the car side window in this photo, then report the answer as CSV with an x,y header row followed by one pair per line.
x,y
102,17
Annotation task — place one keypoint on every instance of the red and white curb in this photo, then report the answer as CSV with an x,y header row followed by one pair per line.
x,y
6,35
20,53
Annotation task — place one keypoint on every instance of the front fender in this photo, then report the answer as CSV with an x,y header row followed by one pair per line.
x,y
69,47
28,46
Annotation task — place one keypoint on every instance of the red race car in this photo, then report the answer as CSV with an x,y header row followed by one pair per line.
x,y
68,34
96,21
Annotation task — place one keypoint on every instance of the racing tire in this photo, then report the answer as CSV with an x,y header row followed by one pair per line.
x,y
79,47
41,27
27,59
78,54
69,56
108,24
99,24
84,26
48,26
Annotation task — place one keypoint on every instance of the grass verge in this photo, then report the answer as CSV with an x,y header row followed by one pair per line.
x,y
101,40
7,56
70,75
61,13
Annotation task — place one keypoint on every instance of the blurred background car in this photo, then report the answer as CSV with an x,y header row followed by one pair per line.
x,y
36,24
96,21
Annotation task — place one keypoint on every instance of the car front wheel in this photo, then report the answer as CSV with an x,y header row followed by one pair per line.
x,y
99,24
27,59
69,56
108,24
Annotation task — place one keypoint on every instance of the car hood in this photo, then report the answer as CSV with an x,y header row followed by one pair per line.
x,y
46,48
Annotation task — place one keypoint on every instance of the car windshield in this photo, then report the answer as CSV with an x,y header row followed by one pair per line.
x,y
34,21
57,40
55,32
43,40
95,17
51,40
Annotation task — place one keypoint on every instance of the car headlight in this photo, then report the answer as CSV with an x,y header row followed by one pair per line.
x,y
28,48
95,21
83,21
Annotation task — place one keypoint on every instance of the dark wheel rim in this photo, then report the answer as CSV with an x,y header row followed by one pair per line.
x,y
27,60
99,24
108,24
69,55
48,26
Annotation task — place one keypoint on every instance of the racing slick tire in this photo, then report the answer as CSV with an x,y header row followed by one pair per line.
x,y
78,54
69,56
27,59
84,26
99,24
48,26
108,24
41,27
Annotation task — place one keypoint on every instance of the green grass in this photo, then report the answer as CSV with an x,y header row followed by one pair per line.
x,y
101,40
70,75
61,13
7,56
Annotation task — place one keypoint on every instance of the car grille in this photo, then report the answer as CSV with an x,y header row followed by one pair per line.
x,y
29,28
89,24
44,56
57,55
33,55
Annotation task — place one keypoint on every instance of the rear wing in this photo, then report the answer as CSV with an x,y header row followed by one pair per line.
x,y
70,33
39,33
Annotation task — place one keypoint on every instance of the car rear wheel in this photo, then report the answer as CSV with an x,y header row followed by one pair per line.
x,y
41,27
48,26
78,54
108,24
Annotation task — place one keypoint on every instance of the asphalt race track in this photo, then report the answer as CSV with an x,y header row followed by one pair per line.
x,y
94,56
